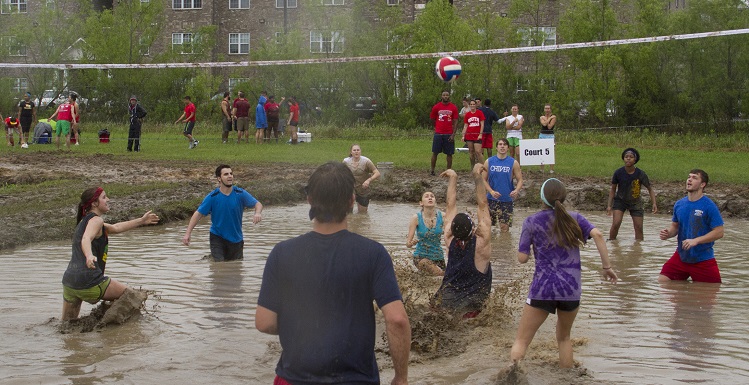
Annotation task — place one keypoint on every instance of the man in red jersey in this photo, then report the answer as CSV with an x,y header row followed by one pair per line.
x,y
189,118
445,116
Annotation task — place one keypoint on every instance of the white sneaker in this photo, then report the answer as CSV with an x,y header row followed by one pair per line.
x,y
192,144
195,144
77,143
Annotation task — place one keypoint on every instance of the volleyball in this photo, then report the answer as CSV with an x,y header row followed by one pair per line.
x,y
448,69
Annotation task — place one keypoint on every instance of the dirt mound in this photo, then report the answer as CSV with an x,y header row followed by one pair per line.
x,y
107,313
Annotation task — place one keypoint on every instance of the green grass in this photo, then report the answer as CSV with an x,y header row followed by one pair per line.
x,y
588,153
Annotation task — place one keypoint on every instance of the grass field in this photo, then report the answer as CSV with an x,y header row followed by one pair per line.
x,y
665,156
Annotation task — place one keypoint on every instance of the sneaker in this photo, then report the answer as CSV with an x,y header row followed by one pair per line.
x,y
192,144
551,171
195,144
431,173
77,143
224,142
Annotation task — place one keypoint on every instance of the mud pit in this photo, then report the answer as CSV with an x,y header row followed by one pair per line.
x,y
41,206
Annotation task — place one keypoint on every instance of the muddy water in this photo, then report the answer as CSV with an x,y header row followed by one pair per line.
x,y
198,326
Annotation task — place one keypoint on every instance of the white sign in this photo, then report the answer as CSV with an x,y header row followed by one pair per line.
x,y
534,152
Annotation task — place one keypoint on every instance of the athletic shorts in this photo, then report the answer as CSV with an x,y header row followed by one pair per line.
x,y
189,126
223,250
635,209
545,136
62,128
362,200
487,141
91,295
501,212
294,123
26,124
273,126
677,270
280,381
514,142
442,143
243,123
551,306
440,263
226,124
260,128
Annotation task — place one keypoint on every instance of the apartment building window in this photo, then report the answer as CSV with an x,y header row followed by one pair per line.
x,y
393,2
187,4
13,6
239,43
279,37
289,3
182,43
332,2
235,82
15,46
325,42
239,4
542,36
20,85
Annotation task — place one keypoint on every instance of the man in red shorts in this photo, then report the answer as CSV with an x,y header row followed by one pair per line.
x,y
698,224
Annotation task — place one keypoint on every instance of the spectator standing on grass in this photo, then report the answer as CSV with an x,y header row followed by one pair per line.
x,y
626,194
226,121
27,116
65,114
273,113
11,127
293,122
317,294
241,115
548,122
445,117
225,205
473,128
188,116
137,113
514,125
261,121
487,137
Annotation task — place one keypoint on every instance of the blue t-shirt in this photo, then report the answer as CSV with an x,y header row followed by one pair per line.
x,y
557,275
500,178
226,212
430,239
322,288
696,219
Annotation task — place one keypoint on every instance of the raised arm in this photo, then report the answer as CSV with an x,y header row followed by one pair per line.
x,y
149,218
483,205
452,196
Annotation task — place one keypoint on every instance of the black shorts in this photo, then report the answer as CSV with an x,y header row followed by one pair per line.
x,y
501,212
223,250
189,126
635,209
26,124
362,200
552,306
442,143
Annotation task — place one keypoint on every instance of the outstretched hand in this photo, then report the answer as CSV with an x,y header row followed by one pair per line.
x,y
449,173
149,218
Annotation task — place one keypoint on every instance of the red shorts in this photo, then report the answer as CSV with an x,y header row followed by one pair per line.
x,y
280,381
705,271
486,141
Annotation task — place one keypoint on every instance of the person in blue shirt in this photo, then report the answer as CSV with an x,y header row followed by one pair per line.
x,y
261,120
225,204
697,224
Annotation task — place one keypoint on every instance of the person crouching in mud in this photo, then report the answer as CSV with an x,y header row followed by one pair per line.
x,y
468,276
84,279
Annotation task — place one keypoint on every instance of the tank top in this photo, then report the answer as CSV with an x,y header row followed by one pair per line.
x,y
546,130
64,113
78,276
500,178
429,245
464,287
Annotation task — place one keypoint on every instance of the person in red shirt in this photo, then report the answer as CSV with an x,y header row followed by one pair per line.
x,y
473,128
293,122
189,118
445,116
66,115
241,114
12,125
273,113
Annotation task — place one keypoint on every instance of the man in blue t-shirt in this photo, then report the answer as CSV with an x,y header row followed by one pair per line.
x,y
225,204
499,173
317,294
698,224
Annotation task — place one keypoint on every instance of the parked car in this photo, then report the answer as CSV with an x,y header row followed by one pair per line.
x,y
51,98
364,106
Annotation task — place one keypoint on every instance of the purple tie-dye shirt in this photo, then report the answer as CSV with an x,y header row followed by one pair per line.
x,y
557,275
